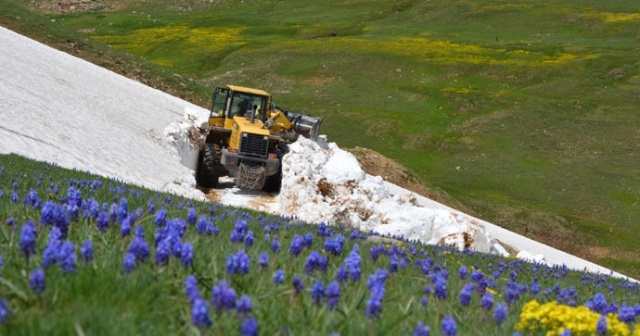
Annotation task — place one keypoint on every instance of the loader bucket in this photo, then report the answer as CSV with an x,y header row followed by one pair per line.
x,y
307,126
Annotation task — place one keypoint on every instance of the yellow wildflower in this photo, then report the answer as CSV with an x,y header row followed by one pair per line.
x,y
555,318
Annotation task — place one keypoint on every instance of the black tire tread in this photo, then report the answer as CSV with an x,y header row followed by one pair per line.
x,y
209,167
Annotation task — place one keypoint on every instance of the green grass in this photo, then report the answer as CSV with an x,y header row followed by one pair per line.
x,y
511,107
100,297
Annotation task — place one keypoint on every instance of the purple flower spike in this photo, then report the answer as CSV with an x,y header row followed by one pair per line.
x,y
465,294
28,239
140,249
244,305
297,284
249,327
275,246
297,243
278,276
191,289
601,327
317,291
487,301
263,260
37,281
160,218
5,312
67,257
333,295
463,272
315,261
163,252
200,313
86,250
129,262
500,314
191,216
186,254
440,286
449,327
374,304
223,297
421,330
238,263
248,239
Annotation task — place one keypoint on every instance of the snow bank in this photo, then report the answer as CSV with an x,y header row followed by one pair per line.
x,y
328,185
185,138
57,108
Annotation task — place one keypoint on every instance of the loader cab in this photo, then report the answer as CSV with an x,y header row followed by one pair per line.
x,y
233,100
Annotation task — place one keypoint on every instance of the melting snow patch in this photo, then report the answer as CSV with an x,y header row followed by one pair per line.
x,y
538,258
328,185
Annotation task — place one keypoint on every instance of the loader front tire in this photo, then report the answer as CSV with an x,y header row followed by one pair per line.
x,y
209,166
273,183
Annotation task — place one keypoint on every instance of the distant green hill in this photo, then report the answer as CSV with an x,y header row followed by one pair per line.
x,y
524,111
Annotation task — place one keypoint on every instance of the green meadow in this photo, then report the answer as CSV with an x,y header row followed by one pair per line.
x,y
523,111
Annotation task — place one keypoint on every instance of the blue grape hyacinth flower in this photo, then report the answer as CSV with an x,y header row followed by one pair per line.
x,y
465,294
249,327
163,252
86,251
275,246
263,260
333,295
191,289
238,263
449,327
487,301
28,239
200,313
297,283
244,305
278,276
297,243
500,314
421,329
140,249
67,257
37,281
186,254
129,262
374,304
317,291
223,297
5,312
601,327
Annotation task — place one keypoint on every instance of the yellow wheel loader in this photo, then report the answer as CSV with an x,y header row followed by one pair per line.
x,y
247,138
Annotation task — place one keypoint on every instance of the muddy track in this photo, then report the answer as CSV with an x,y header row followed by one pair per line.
x,y
228,194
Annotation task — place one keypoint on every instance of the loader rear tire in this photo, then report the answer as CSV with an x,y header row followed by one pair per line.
x,y
209,166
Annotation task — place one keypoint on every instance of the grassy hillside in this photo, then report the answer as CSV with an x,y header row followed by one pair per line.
x,y
524,111
85,255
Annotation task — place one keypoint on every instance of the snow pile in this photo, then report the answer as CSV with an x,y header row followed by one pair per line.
x,y
185,138
328,185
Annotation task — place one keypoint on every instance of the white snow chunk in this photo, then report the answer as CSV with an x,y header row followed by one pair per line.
x,y
328,185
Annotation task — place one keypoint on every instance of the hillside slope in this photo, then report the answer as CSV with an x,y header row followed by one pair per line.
x,y
531,127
